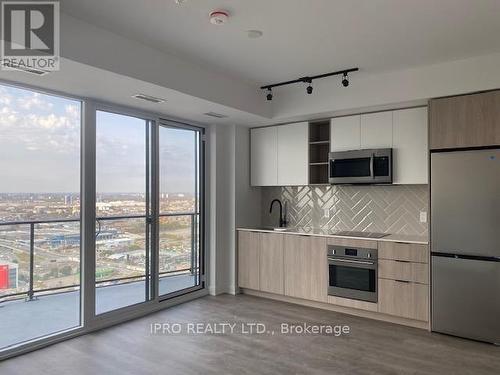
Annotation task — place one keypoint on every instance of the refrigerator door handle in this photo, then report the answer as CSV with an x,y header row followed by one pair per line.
x,y
372,161
465,256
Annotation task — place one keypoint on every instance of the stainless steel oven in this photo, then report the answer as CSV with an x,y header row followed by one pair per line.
x,y
352,273
373,166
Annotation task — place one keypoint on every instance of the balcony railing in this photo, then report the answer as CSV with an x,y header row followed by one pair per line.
x,y
31,291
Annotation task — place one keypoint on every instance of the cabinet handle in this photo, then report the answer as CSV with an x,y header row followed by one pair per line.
x,y
403,281
402,261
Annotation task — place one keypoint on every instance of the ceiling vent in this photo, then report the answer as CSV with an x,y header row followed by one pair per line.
x,y
148,98
214,114
38,72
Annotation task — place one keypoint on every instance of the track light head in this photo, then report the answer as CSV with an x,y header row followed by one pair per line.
x,y
309,88
345,80
269,95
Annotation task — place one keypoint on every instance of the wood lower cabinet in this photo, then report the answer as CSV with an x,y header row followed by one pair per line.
x,y
248,259
271,263
403,280
402,270
404,299
296,266
403,251
465,121
305,266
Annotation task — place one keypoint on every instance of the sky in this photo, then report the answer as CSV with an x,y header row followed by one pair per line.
x,y
40,148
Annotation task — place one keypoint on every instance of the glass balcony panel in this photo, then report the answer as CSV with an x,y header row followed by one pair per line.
x,y
120,264
178,254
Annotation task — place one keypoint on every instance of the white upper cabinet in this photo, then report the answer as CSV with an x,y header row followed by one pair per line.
x,y
410,149
264,156
345,133
279,155
293,149
376,130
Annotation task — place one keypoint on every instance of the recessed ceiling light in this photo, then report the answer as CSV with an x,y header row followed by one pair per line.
x,y
180,2
254,34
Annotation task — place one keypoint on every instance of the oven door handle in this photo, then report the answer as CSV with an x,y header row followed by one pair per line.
x,y
350,261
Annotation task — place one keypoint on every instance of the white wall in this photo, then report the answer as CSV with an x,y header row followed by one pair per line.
x,y
248,198
386,90
222,207
233,204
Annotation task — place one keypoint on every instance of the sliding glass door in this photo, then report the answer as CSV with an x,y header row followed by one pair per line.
x,y
122,266
131,155
179,213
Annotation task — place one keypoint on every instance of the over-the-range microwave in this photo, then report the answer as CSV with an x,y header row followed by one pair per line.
x,y
369,166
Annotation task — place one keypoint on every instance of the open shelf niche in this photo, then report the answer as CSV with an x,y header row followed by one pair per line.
x,y
319,147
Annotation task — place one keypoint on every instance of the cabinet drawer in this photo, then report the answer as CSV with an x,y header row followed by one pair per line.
x,y
404,299
403,270
403,251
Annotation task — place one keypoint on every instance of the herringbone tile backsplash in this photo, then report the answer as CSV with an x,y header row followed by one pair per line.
x,y
390,209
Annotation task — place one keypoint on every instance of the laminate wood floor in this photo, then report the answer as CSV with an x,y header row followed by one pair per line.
x,y
372,347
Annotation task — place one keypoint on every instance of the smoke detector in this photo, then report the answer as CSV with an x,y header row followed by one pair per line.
x,y
218,17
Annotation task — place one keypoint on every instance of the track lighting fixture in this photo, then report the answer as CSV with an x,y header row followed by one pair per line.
x,y
345,80
269,95
307,79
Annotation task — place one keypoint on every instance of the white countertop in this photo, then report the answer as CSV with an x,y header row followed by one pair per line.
x,y
423,240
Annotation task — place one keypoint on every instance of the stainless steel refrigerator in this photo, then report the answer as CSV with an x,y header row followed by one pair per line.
x,y
465,243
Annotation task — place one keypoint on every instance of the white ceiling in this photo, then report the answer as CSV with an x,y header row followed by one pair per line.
x,y
303,37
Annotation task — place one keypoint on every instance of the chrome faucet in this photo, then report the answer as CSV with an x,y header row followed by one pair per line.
x,y
282,217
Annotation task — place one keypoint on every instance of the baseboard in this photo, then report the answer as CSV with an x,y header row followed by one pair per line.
x,y
341,309
230,289
234,290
